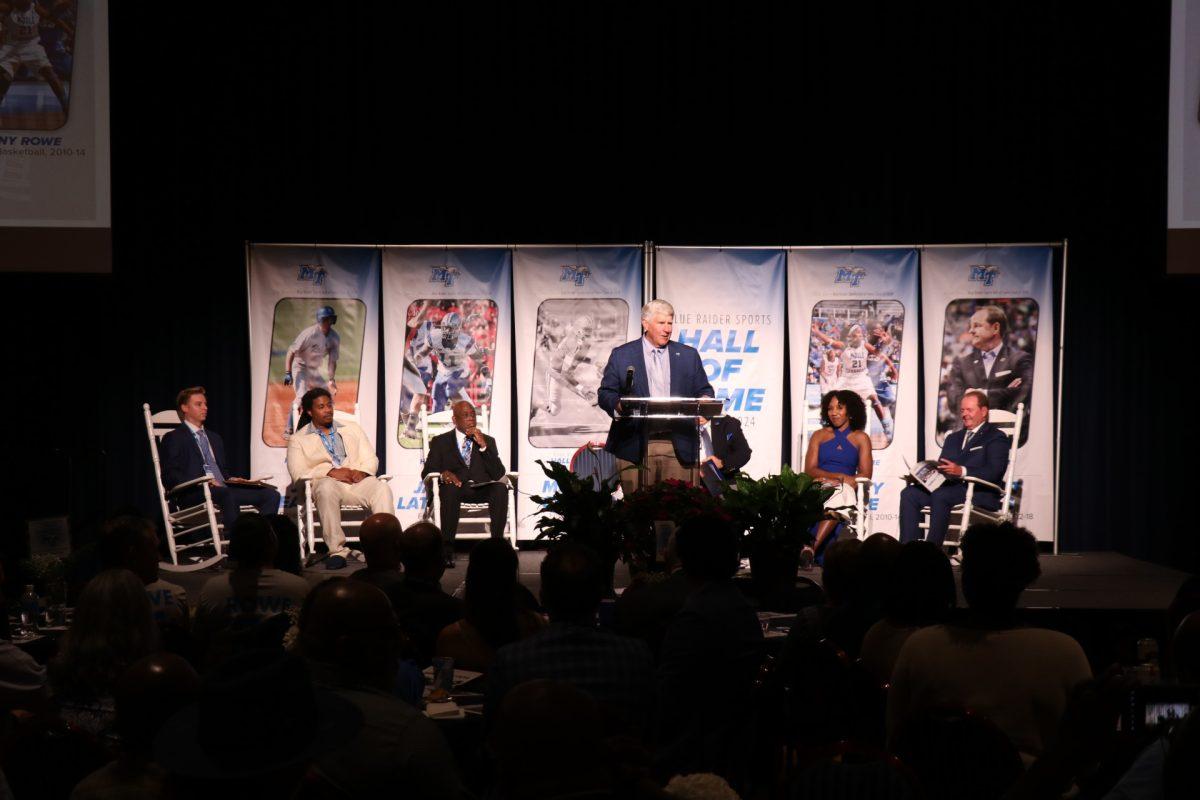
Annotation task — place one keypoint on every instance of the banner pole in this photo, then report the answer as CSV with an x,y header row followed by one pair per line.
x,y
647,271
1062,340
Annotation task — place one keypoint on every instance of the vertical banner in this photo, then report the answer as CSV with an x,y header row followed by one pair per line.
x,y
313,323
573,306
848,313
729,306
447,335
999,300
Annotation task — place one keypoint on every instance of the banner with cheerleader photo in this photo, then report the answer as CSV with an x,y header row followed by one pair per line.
x,y
729,306
989,324
447,334
573,306
313,324
848,314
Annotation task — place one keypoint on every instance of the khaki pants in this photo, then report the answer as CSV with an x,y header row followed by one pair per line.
x,y
328,496
661,465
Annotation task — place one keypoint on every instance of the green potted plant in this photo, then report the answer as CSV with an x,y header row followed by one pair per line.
x,y
582,512
777,513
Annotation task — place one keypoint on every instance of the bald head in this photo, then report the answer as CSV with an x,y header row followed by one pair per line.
x,y
379,538
464,415
350,625
421,551
148,693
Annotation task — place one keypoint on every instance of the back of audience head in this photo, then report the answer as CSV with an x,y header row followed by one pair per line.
x,y
379,538
349,625
877,563
421,551
252,543
491,592
707,547
572,585
1181,770
148,694
130,542
840,574
921,587
113,627
998,562
560,723
287,543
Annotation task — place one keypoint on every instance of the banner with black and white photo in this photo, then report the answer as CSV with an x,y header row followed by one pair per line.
x,y
313,323
999,300
447,323
729,305
573,306
852,318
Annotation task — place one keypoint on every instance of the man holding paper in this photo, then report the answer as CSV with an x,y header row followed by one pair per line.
x,y
192,451
979,449
653,366
468,464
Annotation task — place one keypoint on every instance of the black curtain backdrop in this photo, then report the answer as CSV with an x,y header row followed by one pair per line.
x,y
698,123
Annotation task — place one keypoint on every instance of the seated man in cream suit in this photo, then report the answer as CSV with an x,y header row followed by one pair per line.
x,y
342,464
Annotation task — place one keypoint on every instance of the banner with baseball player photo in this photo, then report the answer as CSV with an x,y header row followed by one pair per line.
x,y
848,311
313,324
729,305
989,324
447,334
573,305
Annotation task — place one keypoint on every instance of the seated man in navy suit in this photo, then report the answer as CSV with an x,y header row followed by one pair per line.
x,y
723,450
192,451
980,449
653,366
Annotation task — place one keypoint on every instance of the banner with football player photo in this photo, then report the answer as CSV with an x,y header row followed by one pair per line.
x,y
729,305
313,324
848,311
447,334
573,306
989,325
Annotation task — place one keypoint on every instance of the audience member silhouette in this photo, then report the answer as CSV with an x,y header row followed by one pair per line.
x,y
379,540
618,672
147,694
494,614
920,592
112,629
1020,678
422,608
709,661
349,636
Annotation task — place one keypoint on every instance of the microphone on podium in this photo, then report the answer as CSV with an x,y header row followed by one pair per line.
x,y
628,381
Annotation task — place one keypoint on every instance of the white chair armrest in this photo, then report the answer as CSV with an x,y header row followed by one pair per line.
x,y
384,477
982,482
194,482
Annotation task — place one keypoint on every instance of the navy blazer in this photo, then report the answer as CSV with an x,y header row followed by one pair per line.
x,y
986,456
729,443
968,372
444,456
687,380
179,456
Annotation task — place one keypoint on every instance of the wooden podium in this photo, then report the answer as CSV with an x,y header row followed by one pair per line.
x,y
671,409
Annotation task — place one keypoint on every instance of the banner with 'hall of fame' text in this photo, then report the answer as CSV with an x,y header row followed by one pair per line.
x,y
989,324
852,316
313,324
729,305
573,306
447,335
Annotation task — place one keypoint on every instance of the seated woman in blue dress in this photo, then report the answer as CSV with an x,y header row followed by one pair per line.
x,y
837,454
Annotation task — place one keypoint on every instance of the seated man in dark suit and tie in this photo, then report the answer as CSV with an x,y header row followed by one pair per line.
x,y
653,366
463,457
981,450
192,451
723,450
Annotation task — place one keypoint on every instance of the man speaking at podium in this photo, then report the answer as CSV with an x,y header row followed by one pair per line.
x,y
653,366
